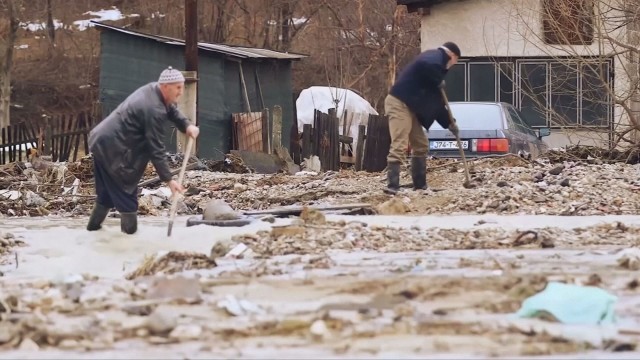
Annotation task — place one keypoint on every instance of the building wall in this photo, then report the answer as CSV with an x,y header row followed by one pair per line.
x,y
505,28
128,62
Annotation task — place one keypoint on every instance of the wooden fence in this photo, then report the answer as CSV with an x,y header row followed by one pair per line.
x,y
61,137
323,140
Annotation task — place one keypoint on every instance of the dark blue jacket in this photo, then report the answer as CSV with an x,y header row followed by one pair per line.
x,y
417,86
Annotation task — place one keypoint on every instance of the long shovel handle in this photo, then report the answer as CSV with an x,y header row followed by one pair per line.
x,y
464,160
174,200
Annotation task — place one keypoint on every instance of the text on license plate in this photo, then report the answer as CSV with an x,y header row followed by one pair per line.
x,y
445,145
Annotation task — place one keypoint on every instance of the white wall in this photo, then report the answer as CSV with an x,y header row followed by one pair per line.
x,y
514,28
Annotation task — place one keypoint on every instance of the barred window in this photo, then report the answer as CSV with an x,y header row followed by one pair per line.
x,y
548,92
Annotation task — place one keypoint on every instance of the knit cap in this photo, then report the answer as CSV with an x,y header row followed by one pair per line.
x,y
170,75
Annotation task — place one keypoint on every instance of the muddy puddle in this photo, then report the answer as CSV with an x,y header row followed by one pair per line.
x,y
330,287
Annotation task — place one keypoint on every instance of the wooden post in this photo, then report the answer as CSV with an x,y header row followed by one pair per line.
x,y
277,127
188,106
306,141
360,146
3,160
48,141
265,131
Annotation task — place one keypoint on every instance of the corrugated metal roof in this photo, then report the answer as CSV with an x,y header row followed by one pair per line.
x,y
236,51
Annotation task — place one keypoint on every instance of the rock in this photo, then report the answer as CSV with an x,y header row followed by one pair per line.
x,y
394,206
556,170
33,199
174,288
564,182
312,216
539,199
221,248
8,332
629,259
319,330
218,209
502,183
28,345
162,321
269,218
237,187
186,332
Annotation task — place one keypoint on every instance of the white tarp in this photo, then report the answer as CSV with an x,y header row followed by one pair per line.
x,y
323,98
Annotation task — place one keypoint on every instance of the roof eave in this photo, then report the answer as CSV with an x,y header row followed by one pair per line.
x,y
233,51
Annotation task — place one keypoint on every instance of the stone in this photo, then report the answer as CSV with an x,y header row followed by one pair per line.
x,y
556,170
185,332
394,206
565,182
238,188
319,330
8,332
162,320
33,199
174,288
218,209
312,216
28,345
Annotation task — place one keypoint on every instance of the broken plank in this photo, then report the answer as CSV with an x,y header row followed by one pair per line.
x,y
296,210
347,159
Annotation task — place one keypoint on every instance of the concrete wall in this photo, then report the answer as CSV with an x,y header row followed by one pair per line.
x,y
514,28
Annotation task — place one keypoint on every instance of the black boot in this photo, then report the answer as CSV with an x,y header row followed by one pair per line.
x,y
129,222
393,178
419,172
98,214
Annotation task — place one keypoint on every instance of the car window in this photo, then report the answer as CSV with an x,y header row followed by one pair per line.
x,y
520,124
471,116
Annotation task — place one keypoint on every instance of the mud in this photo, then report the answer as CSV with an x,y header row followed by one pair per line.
x,y
404,288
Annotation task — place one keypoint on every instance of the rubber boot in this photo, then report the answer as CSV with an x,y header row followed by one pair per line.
x,y
419,172
129,222
98,214
393,178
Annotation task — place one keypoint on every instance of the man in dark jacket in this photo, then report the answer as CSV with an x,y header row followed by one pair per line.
x,y
124,142
415,102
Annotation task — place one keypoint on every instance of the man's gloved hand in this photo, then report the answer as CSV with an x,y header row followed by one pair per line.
x,y
453,127
442,84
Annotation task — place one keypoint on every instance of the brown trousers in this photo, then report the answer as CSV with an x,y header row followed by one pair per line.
x,y
404,129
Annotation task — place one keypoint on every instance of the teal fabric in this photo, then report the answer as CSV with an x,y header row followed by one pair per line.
x,y
571,304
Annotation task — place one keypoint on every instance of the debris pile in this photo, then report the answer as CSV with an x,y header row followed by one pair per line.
x,y
318,236
506,185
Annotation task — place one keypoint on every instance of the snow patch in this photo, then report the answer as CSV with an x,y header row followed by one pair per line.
x,y
81,25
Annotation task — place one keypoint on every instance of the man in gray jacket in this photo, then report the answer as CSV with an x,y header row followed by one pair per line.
x,y
126,140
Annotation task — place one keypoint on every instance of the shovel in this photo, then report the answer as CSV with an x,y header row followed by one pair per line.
x,y
174,201
467,184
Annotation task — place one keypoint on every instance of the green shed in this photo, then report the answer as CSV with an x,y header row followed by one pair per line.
x,y
130,59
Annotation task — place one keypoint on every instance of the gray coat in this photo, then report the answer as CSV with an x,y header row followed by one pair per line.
x,y
132,134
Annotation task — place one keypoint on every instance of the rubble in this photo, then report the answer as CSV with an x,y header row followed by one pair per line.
x,y
304,238
561,183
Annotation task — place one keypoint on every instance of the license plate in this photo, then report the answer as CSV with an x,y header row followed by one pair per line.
x,y
447,145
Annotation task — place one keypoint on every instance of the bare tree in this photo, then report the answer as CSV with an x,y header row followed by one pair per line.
x,y
588,40
8,28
